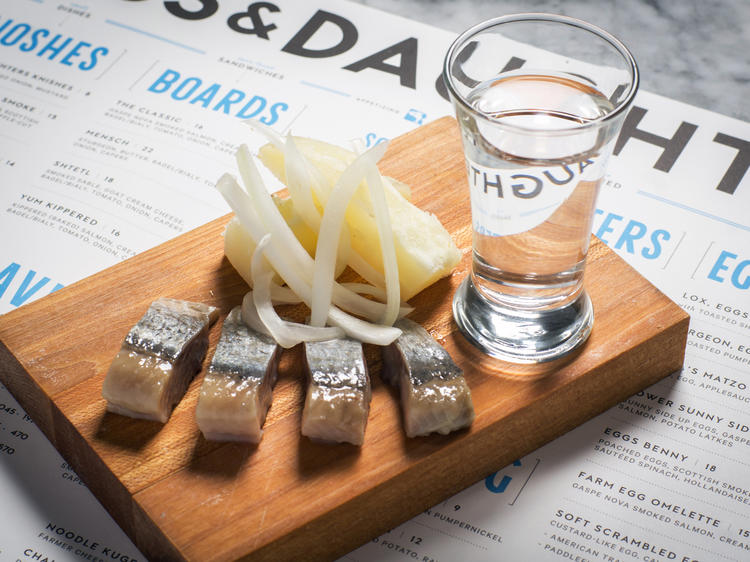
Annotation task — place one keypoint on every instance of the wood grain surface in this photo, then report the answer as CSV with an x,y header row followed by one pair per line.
x,y
180,497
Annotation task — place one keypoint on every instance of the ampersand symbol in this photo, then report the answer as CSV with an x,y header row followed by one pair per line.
x,y
253,12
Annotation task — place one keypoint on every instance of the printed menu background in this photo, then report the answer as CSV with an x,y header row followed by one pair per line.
x,y
117,118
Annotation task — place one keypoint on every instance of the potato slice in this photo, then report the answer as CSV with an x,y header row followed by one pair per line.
x,y
425,251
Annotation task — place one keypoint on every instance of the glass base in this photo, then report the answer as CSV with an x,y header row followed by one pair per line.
x,y
520,336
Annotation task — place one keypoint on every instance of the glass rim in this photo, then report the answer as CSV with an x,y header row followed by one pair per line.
x,y
618,45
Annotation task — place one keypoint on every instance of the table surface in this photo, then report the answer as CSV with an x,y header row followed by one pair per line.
x,y
693,51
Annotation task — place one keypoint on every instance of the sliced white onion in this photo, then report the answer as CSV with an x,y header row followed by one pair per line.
x,y
358,145
365,289
299,184
318,182
387,246
262,300
363,331
300,167
378,293
286,334
330,231
365,270
283,295
250,315
268,212
303,173
240,202
283,237
300,173
242,205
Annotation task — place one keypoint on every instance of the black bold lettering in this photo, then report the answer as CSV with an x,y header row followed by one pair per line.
x,y
296,44
739,165
522,190
407,68
562,181
498,184
673,147
207,9
514,63
259,27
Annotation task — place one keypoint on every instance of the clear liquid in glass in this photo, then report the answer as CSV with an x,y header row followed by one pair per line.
x,y
535,160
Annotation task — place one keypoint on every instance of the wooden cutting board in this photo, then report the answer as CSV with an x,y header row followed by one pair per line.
x,y
180,497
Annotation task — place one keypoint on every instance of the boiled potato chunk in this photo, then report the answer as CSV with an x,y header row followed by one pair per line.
x,y
425,251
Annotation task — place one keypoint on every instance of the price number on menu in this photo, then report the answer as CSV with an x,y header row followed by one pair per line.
x,y
5,409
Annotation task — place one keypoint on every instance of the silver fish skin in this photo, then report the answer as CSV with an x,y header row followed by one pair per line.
x,y
337,403
237,389
434,395
159,357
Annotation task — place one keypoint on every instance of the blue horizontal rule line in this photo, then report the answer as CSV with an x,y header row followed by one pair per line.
x,y
327,89
154,36
694,210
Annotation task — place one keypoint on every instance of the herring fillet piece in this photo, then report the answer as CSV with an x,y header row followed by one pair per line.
x,y
237,389
434,393
337,403
159,357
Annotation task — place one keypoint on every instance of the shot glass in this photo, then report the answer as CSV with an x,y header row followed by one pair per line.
x,y
539,100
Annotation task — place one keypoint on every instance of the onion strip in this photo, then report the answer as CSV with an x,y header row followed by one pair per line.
x,y
283,295
269,214
387,246
299,171
330,230
308,170
363,331
271,217
365,270
378,293
286,334
250,315
242,205
299,184
298,166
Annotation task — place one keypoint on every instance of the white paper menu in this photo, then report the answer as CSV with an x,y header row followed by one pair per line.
x,y
117,117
